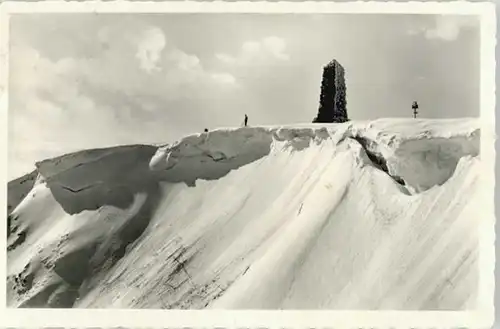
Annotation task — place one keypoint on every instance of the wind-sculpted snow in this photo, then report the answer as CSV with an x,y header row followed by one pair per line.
x,y
359,215
210,155
424,154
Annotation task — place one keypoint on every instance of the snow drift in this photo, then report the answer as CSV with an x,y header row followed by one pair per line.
x,y
359,215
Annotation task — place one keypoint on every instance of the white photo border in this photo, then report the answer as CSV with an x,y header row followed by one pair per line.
x,y
85,318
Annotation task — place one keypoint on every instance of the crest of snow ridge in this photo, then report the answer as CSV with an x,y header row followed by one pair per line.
x,y
420,153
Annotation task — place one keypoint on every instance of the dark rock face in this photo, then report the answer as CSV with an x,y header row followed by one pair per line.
x,y
332,107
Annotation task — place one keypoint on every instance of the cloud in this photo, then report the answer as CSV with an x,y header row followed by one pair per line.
x,y
251,52
129,86
276,46
150,47
226,58
184,61
445,27
46,103
224,78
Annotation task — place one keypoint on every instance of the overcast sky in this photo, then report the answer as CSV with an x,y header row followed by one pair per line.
x,y
85,80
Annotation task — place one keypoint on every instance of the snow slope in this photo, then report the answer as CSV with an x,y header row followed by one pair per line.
x,y
359,215
18,188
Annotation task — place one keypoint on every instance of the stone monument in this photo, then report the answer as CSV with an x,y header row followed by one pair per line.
x,y
332,107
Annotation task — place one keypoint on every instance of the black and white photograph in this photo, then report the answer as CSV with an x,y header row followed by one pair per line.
x,y
248,161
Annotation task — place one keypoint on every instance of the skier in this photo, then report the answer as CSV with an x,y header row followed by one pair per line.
x,y
246,120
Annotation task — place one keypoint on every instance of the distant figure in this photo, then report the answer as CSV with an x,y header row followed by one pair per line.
x,y
246,120
414,106
206,130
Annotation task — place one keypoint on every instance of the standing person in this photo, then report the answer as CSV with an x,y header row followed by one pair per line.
x,y
246,120
414,106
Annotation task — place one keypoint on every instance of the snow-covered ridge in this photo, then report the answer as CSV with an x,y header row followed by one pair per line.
x,y
424,153
239,218
93,178
391,139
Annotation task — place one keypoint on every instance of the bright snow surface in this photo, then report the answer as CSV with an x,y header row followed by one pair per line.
x,y
360,215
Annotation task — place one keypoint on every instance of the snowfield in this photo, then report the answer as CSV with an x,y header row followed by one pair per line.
x,y
361,215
